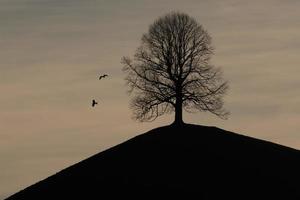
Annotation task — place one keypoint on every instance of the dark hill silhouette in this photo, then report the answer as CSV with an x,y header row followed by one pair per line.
x,y
191,162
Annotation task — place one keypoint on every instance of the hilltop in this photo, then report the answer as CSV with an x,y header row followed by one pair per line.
x,y
191,162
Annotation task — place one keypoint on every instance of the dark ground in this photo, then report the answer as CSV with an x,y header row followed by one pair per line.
x,y
189,162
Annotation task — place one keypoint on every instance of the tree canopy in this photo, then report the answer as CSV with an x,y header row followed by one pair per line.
x,y
171,71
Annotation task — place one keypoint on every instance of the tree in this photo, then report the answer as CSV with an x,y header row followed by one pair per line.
x,y
171,70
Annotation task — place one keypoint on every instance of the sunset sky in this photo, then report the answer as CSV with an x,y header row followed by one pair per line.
x,y
52,52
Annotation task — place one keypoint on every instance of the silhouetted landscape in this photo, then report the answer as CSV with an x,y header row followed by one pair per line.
x,y
63,72
188,161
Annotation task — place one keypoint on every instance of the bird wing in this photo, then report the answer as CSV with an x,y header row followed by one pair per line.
x,y
103,76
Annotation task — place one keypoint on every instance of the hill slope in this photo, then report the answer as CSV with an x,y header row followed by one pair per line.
x,y
191,161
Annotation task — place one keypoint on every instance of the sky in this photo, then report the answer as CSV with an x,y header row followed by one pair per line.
x,y
52,52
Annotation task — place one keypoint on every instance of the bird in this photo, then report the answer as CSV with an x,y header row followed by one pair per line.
x,y
103,76
94,102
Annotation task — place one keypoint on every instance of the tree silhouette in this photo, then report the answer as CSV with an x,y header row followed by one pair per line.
x,y
171,70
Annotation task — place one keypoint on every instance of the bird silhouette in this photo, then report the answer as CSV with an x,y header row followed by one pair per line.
x,y
94,102
103,76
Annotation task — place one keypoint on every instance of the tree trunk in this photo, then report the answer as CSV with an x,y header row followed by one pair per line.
x,y
178,111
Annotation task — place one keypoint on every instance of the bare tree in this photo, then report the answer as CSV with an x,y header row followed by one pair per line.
x,y
171,70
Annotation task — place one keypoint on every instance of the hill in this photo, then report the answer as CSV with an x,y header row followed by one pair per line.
x,y
189,162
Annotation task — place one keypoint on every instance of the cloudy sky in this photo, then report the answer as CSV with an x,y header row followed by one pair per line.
x,y
52,52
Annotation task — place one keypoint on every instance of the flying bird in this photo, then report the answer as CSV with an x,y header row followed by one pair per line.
x,y
103,76
94,103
